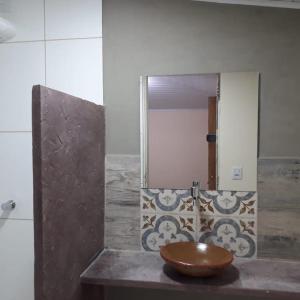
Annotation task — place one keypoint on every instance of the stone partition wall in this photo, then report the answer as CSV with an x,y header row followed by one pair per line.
x,y
68,169
278,207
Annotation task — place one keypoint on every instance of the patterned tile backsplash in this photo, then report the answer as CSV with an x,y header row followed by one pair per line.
x,y
163,200
227,219
237,235
157,230
228,203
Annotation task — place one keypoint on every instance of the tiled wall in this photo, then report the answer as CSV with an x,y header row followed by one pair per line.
x,y
59,44
227,219
279,207
277,210
122,197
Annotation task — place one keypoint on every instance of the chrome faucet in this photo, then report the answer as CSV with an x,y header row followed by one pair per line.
x,y
195,191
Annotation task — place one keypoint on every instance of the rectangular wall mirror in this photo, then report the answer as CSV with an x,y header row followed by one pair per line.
x,y
200,127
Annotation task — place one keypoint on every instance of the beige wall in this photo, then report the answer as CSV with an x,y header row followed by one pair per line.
x,y
178,151
238,128
159,37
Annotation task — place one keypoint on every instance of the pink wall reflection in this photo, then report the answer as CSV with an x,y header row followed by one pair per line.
x,y
178,151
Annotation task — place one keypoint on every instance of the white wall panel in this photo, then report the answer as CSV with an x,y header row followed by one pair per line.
x,y
21,66
73,19
75,67
16,260
26,16
16,174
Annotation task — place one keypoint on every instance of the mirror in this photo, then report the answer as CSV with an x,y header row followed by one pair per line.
x,y
200,127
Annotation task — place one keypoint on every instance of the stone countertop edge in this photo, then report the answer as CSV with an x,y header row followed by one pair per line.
x,y
268,278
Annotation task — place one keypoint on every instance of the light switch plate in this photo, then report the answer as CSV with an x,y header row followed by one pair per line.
x,y
237,173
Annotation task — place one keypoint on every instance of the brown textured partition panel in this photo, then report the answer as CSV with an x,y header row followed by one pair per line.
x,y
68,167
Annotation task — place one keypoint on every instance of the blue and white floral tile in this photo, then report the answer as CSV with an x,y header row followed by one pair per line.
x,y
228,203
158,230
238,235
168,201
225,218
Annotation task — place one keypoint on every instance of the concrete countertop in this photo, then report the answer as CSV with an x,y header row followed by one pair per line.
x,y
268,278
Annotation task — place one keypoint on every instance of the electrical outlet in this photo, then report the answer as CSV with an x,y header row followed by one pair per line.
x,y
237,173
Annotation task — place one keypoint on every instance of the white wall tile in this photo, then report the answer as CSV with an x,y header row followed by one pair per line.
x,y
16,260
75,67
16,174
73,19
27,17
22,66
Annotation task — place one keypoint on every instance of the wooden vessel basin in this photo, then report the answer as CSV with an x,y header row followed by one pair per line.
x,y
196,259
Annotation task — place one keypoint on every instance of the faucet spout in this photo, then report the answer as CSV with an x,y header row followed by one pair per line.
x,y
195,191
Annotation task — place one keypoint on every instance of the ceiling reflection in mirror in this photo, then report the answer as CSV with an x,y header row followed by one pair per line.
x,y
200,127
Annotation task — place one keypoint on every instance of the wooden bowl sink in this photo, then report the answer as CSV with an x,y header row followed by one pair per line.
x,y
196,259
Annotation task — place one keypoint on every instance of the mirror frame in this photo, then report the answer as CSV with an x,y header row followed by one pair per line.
x,y
144,127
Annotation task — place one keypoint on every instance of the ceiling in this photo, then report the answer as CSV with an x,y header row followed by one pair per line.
x,y
272,3
181,91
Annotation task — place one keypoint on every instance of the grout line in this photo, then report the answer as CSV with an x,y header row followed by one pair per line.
x,y
15,219
15,131
45,46
77,38
19,42
44,11
54,40
45,64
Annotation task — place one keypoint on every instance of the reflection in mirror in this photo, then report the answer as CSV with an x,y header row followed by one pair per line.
x,y
200,128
